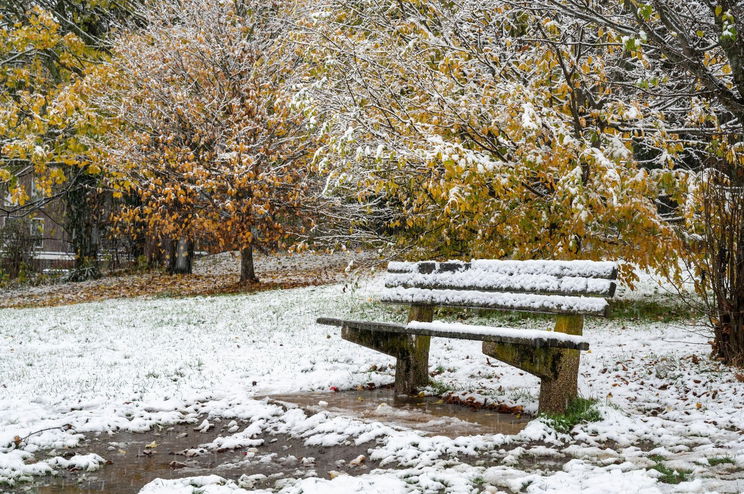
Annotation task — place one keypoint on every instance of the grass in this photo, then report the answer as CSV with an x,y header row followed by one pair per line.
x,y
720,461
579,411
664,309
439,388
671,476
651,310
439,370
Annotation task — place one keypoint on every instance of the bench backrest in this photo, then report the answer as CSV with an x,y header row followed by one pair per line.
x,y
558,287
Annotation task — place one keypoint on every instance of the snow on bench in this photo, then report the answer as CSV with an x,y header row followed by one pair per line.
x,y
531,337
581,269
525,302
556,287
545,277
480,280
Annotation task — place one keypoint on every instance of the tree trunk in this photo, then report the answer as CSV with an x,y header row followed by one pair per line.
x,y
247,270
728,345
181,257
80,216
723,214
156,251
169,248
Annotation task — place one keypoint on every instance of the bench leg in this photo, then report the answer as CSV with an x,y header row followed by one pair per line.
x,y
411,352
557,368
412,370
557,392
411,355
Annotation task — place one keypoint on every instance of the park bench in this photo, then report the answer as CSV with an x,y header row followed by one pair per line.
x,y
568,289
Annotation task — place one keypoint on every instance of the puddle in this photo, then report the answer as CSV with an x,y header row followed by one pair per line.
x,y
131,468
427,414
132,464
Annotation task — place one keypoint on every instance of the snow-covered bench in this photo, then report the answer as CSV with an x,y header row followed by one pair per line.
x,y
568,289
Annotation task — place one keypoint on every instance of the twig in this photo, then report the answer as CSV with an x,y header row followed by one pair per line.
x,y
18,440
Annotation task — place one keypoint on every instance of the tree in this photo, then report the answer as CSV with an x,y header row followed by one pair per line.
x,y
46,126
36,104
483,141
16,247
686,59
215,137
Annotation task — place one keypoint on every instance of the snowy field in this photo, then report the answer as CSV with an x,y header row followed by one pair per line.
x,y
127,365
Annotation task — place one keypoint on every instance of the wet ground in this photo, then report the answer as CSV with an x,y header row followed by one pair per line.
x,y
133,464
173,452
427,414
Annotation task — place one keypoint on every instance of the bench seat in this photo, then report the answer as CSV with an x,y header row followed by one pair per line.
x,y
531,337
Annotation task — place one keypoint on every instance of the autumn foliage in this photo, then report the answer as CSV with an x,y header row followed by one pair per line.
x,y
548,129
215,136
44,124
483,140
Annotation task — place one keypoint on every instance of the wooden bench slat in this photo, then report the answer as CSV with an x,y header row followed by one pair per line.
x,y
580,269
472,279
577,269
525,302
530,337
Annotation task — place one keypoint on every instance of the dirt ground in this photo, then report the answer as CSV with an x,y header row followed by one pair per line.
x,y
214,274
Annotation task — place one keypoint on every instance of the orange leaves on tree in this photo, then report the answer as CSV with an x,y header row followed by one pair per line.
x,y
215,143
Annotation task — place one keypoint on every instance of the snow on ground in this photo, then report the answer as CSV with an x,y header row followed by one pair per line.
x,y
130,364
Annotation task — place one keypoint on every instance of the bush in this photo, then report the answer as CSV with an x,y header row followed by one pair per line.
x,y
16,248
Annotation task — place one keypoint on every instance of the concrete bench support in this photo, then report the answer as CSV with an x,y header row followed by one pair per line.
x,y
411,351
412,371
557,368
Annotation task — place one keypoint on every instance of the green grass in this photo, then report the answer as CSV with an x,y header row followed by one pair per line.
x,y
720,461
439,388
579,411
512,317
666,310
670,476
